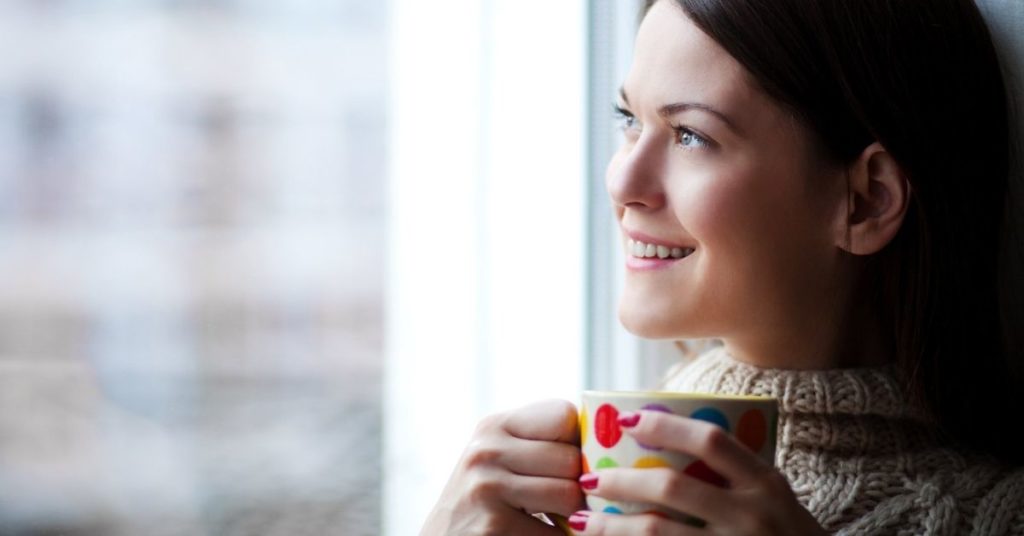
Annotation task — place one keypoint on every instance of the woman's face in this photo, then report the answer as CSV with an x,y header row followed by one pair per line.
x,y
726,182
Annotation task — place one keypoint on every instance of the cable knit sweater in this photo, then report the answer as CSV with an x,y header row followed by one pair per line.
x,y
861,460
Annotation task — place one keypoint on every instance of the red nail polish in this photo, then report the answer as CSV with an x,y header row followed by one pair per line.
x,y
588,481
628,419
578,521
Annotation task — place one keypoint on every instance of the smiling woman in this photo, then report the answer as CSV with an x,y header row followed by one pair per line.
x,y
734,190
786,185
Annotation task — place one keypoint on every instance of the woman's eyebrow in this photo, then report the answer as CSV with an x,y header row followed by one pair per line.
x,y
676,107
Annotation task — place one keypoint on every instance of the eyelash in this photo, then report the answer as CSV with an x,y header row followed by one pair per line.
x,y
623,118
626,121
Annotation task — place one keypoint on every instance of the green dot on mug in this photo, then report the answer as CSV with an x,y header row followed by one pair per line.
x,y
605,463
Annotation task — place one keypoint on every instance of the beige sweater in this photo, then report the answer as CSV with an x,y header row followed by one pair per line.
x,y
860,460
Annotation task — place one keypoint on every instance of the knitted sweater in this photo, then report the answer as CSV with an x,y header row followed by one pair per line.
x,y
860,460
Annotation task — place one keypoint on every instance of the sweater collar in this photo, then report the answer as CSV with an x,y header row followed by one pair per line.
x,y
854,391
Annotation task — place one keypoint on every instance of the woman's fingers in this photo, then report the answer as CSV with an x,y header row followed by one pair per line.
x,y
663,486
517,463
543,458
548,420
495,446
540,494
596,524
702,440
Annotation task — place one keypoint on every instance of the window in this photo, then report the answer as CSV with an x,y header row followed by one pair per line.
x,y
503,264
192,227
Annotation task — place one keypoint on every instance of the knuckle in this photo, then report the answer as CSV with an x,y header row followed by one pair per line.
x,y
757,521
650,526
567,414
775,481
483,489
563,407
671,485
573,462
713,438
480,453
567,498
491,525
745,524
490,424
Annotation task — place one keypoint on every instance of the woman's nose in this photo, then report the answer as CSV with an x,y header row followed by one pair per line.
x,y
633,178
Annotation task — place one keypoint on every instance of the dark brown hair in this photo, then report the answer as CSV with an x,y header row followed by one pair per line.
x,y
922,78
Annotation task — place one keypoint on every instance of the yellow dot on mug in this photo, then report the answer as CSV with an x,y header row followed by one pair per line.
x,y
649,462
752,429
583,426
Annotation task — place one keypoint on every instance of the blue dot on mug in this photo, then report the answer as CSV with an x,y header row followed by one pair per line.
x,y
611,510
711,415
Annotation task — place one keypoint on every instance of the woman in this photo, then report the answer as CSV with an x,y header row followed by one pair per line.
x,y
822,186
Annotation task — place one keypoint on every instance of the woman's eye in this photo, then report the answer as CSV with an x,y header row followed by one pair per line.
x,y
625,120
690,139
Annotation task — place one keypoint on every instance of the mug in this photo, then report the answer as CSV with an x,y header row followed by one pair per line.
x,y
751,419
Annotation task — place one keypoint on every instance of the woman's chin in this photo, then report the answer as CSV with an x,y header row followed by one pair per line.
x,y
650,324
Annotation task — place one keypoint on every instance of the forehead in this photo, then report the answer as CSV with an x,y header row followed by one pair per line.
x,y
673,59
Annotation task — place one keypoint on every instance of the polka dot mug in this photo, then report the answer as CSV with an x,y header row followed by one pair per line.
x,y
752,420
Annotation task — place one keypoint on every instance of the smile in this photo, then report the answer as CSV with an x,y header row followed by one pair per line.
x,y
643,250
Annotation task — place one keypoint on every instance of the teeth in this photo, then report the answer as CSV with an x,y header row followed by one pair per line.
x,y
642,250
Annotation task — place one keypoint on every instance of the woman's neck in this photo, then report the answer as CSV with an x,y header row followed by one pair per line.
x,y
845,330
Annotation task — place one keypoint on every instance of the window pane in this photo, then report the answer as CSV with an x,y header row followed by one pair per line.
x,y
191,229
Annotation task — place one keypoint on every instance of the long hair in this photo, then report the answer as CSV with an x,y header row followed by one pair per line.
x,y
922,78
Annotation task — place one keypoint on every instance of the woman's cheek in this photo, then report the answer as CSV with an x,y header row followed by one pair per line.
x,y
708,206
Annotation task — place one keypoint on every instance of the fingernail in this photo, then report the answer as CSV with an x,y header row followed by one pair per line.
x,y
578,521
588,481
628,419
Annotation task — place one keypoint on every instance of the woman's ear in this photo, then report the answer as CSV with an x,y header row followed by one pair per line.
x,y
878,195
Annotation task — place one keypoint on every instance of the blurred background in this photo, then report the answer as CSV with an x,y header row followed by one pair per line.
x,y
192,227
263,265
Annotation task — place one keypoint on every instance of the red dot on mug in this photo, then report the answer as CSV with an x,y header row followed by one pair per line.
x,y
701,471
606,426
752,429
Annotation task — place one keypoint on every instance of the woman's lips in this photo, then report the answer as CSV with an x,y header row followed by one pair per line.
x,y
645,256
644,250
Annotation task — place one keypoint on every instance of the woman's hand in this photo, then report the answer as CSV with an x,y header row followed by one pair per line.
x,y
517,464
757,499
